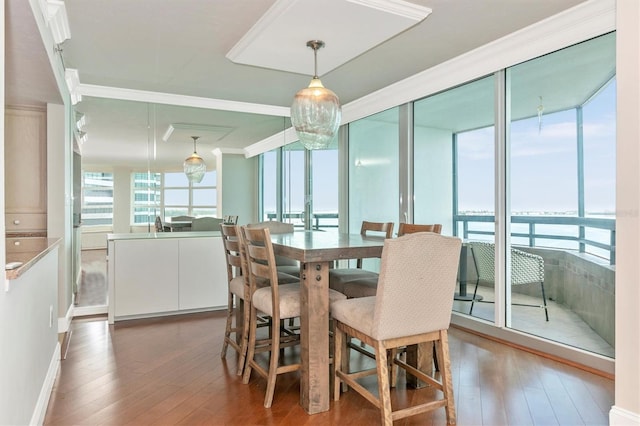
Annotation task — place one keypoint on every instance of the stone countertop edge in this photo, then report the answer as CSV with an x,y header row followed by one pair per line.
x,y
29,259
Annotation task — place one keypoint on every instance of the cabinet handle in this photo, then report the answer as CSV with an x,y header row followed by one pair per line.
x,y
16,243
16,222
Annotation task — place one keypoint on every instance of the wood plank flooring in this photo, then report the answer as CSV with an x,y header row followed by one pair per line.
x,y
168,371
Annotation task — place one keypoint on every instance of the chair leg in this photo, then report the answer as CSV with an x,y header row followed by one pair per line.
x,y
442,348
393,369
273,363
251,346
227,328
244,345
383,384
544,301
339,345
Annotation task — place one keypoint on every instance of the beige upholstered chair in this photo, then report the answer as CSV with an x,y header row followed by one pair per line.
x,y
206,224
526,268
278,301
286,265
367,286
339,277
412,306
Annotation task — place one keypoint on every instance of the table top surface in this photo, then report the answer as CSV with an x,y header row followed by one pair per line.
x,y
319,246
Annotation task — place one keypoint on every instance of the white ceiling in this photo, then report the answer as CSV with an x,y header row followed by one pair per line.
x,y
180,48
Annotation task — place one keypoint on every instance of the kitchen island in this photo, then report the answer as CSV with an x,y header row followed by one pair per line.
x,y
165,273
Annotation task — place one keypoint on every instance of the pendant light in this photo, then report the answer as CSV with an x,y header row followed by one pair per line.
x,y
315,112
194,166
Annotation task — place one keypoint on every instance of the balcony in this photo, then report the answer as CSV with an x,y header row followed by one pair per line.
x,y
579,285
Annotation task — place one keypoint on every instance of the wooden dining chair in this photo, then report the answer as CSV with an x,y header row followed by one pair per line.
x,y
230,220
278,301
411,228
338,277
237,294
363,286
412,306
286,265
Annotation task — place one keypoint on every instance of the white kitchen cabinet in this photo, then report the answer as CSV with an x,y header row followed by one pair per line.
x,y
165,274
203,273
146,277
25,161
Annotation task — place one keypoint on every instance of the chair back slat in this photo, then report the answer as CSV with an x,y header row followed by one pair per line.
x,y
416,285
232,249
276,227
369,228
385,227
260,259
411,228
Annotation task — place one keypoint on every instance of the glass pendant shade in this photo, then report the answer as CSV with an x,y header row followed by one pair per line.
x,y
194,166
316,112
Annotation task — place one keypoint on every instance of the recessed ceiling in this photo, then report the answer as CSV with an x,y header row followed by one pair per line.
x,y
363,23
206,133
179,48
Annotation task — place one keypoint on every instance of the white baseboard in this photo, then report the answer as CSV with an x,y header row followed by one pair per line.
x,y
82,311
621,417
65,322
45,393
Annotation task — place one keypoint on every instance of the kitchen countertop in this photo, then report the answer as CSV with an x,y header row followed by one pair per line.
x,y
28,250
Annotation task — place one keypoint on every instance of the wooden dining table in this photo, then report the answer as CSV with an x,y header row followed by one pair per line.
x,y
316,250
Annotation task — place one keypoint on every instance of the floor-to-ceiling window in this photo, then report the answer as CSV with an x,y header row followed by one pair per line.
x,y
524,160
561,186
373,171
454,170
307,182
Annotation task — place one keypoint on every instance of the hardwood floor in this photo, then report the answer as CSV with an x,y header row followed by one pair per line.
x,y
168,371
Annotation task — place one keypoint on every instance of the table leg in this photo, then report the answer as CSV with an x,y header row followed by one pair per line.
x,y
421,357
314,337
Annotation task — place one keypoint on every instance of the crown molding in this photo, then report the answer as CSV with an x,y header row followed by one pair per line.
x,y
73,83
201,129
57,20
582,22
180,100
234,151
272,142
397,7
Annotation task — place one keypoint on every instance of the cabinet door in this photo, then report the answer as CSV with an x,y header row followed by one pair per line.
x,y
146,276
203,273
25,160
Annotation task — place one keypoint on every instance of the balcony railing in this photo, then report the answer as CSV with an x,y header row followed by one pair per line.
x,y
581,224
299,222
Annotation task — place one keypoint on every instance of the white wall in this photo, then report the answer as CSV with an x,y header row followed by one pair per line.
x,y
626,410
237,186
59,191
29,342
